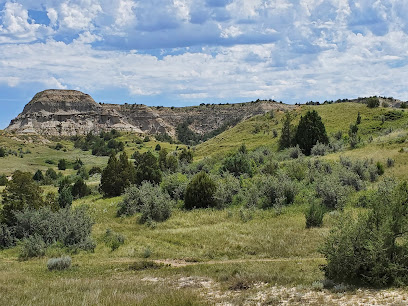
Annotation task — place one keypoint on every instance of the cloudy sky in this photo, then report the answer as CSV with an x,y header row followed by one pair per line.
x,y
184,52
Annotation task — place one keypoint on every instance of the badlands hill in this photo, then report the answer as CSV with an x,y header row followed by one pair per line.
x,y
70,112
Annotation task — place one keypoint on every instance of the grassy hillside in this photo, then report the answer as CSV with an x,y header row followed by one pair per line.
x,y
40,153
240,254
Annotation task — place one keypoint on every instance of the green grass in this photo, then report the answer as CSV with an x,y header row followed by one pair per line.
x,y
42,150
215,245
271,248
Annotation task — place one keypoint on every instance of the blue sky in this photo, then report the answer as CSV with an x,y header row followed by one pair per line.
x,y
184,52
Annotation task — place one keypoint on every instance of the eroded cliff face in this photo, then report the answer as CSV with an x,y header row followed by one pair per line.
x,y
70,112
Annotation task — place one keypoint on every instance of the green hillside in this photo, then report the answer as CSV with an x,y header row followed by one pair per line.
x,y
251,247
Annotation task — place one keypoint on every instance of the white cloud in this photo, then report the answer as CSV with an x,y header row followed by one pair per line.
x,y
15,24
289,50
79,16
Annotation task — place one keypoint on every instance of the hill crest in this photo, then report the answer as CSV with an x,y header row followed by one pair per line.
x,y
56,112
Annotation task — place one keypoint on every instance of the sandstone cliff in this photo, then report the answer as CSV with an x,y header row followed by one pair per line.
x,y
70,112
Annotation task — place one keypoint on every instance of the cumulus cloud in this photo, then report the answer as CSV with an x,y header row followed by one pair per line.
x,y
204,49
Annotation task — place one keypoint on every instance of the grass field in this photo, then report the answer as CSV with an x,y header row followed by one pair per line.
x,y
199,245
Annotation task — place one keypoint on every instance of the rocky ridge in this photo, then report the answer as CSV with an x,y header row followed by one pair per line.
x,y
69,112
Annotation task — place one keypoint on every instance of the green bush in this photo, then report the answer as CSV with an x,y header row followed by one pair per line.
x,y
32,246
51,174
65,197
60,263
332,192
113,240
71,228
117,176
372,102
3,180
371,248
158,147
319,149
175,185
310,131
7,236
94,170
38,176
200,192
147,169
80,189
22,192
314,215
62,164
149,199
227,187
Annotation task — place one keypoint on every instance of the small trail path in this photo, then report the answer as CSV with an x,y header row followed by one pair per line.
x,y
183,263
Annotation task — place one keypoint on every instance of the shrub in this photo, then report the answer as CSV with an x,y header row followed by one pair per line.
x,y
7,236
38,176
20,193
65,197
186,156
310,131
372,102
371,248
117,175
314,215
58,146
80,189
113,240
62,164
227,187
32,246
295,152
200,192
349,178
59,263
71,228
287,133
146,139
175,185
237,164
51,174
277,191
319,149
390,162
2,152
3,180
78,164
94,170
149,199
158,147
332,193
380,168
147,169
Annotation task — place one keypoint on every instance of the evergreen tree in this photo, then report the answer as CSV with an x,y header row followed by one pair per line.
x,y
62,164
51,174
80,189
20,193
127,171
310,131
148,169
286,139
65,197
163,159
118,174
38,176
358,121
200,192
110,180
186,156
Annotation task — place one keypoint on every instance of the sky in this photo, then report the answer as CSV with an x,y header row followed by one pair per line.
x,y
186,52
